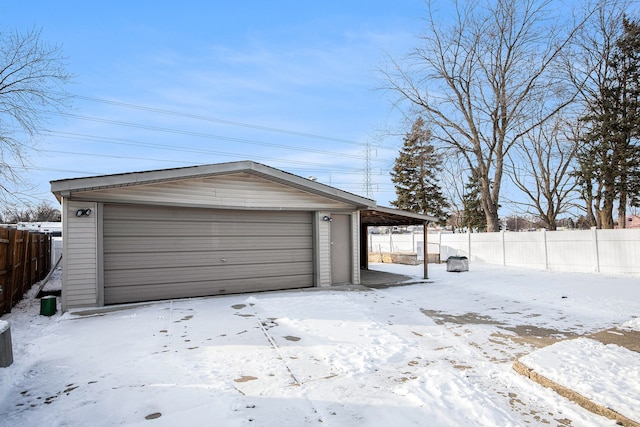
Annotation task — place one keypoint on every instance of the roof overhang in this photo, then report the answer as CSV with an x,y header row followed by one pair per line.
x,y
65,187
370,213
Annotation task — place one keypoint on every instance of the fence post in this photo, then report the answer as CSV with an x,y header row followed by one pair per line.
x,y
546,250
5,267
469,244
595,247
425,249
26,278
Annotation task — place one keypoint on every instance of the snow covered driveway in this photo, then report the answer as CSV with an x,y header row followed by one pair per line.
x,y
436,354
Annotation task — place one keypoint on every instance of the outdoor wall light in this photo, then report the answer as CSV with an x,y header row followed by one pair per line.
x,y
327,218
83,212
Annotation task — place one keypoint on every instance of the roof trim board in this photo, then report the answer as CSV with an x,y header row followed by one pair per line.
x,y
68,186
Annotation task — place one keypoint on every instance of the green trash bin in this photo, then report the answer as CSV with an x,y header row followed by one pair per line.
x,y
48,305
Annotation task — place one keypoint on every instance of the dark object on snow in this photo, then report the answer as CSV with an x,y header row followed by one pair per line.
x,y
6,351
48,305
457,263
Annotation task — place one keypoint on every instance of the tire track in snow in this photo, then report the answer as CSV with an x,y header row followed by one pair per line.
x,y
281,357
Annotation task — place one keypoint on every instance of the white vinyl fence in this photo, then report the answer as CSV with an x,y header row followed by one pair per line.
x,y
607,251
403,243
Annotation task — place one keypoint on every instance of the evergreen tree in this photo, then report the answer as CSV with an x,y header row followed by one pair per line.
x,y
415,175
473,217
626,61
609,159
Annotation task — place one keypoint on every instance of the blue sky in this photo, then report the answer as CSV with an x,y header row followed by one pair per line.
x,y
291,84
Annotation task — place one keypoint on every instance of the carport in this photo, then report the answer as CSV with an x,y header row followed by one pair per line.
x,y
387,217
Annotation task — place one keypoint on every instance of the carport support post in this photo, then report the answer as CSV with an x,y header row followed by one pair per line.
x,y
364,246
424,250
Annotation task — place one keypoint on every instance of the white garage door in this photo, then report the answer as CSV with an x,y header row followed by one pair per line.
x,y
153,253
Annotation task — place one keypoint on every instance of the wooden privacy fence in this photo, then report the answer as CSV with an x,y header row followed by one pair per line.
x,y
25,259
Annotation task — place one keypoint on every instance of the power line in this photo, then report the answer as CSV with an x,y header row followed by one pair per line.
x,y
46,169
222,121
344,171
209,136
118,141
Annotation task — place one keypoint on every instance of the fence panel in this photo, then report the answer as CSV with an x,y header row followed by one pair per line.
x,y
18,255
453,244
24,261
5,279
571,251
619,251
524,250
487,247
403,243
608,251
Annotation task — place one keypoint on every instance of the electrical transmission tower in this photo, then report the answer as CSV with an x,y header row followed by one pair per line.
x,y
367,184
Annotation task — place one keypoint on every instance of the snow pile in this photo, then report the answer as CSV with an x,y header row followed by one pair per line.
x,y
4,325
632,325
607,375
437,353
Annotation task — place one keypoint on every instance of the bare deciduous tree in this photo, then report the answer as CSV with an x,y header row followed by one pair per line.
x,y
541,167
44,212
480,80
32,79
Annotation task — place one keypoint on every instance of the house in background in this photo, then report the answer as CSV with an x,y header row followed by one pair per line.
x,y
633,221
209,230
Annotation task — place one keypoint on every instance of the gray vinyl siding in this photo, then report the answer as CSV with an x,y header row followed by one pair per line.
x,y
324,249
79,256
153,252
355,247
239,190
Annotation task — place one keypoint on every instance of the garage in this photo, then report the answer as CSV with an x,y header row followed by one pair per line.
x,y
160,252
207,230
203,230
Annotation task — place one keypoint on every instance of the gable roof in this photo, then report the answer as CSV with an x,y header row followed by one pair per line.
x,y
371,213
66,187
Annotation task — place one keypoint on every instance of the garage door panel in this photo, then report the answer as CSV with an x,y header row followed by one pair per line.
x,y
203,244
118,295
133,261
152,213
163,252
169,229
180,275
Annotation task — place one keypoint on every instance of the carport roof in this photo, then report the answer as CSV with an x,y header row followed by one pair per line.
x,y
381,216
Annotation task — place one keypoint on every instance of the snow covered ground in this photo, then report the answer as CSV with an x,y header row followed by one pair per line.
x,y
426,354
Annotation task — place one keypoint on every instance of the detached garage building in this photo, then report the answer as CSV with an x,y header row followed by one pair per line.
x,y
205,230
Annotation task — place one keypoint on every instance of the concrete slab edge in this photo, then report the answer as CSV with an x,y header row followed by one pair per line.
x,y
575,397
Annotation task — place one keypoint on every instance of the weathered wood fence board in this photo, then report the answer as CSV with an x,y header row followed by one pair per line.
x,y
25,259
